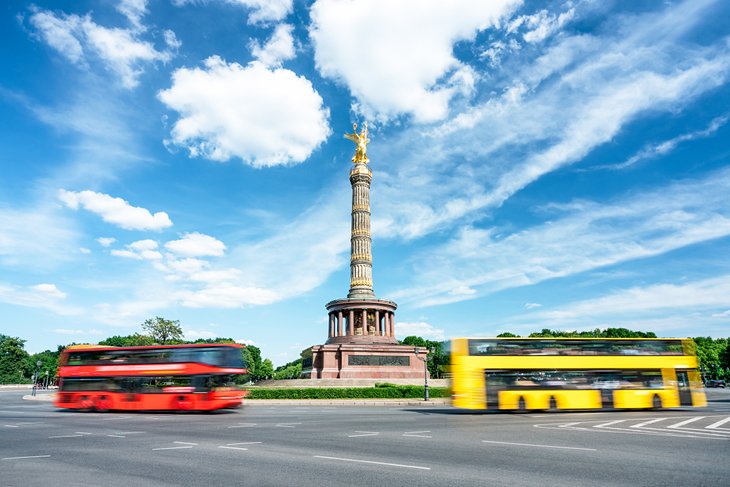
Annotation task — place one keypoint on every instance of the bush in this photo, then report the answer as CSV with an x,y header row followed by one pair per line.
x,y
381,391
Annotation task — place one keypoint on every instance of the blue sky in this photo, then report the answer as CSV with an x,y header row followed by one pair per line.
x,y
536,165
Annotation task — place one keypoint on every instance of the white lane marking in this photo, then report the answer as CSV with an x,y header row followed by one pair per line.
x,y
604,425
652,421
131,432
364,433
66,436
686,421
116,436
540,446
14,412
243,425
21,458
172,448
234,446
718,424
185,443
567,425
286,425
81,433
371,462
10,426
417,434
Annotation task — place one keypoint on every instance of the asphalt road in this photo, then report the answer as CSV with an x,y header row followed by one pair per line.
x,y
321,445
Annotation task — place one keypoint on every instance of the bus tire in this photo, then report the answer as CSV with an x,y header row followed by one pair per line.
x,y
183,403
656,402
102,404
86,403
521,406
553,406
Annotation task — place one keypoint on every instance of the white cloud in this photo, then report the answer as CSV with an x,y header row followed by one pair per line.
x,y
106,241
227,295
123,52
115,210
49,290
140,250
391,55
195,334
264,11
43,296
25,235
544,24
134,10
663,148
76,331
659,307
196,245
637,226
245,342
532,305
279,48
552,112
421,329
264,117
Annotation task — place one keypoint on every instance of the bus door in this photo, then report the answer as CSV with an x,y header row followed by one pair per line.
x,y
685,393
495,382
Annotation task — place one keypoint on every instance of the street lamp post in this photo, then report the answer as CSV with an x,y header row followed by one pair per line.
x,y
35,377
425,372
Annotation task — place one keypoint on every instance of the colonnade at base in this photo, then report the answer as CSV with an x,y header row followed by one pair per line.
x,y
357,320
350,322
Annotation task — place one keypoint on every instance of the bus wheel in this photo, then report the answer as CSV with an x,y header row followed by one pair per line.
x,y
521,406
553,404
86,403
656,403
102,404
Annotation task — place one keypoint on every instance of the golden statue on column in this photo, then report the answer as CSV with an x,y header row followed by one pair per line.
x,y
362,141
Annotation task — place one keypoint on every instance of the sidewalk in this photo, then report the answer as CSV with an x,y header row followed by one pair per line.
x,y
435,402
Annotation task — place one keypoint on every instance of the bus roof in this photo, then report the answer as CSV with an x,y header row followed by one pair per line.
x,y
151,347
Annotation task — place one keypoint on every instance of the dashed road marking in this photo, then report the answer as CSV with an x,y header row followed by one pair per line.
x,y
417,434
243,425
184,443
355,460
30,456
287,425
687,421
235,446
65,436
540,446
364,433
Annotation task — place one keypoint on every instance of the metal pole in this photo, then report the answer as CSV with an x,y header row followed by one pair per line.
x,y
35,377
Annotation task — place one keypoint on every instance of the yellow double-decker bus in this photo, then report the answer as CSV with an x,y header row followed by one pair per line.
x,y
574,373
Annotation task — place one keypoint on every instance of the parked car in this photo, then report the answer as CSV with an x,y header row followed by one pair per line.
x,y
715,383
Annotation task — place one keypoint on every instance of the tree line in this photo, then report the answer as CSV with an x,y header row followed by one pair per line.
x,y
19,367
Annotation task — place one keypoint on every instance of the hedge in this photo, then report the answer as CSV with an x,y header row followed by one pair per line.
x,y
378,392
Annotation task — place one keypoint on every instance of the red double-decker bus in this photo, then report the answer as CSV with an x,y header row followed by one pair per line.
x,y
165,377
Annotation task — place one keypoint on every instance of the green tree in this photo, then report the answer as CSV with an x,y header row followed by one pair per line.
x,y
49,364
710,354
266,370
164,331
438,360
507,334
291,370
254,362
136,340
13,360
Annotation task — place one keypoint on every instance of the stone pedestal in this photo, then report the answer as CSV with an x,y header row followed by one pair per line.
x,y
363,361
